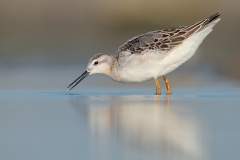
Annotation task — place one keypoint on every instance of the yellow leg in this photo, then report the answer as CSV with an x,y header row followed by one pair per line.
x,y
158,88
168,84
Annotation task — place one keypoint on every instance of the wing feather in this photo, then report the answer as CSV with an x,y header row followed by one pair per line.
x,y
162,40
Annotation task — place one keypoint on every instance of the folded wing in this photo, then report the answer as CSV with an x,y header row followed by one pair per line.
x,y
163,40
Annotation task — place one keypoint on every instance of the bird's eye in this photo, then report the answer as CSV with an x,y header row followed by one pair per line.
x,y
96,63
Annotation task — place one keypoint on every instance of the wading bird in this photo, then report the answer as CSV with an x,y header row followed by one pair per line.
x,y
151,55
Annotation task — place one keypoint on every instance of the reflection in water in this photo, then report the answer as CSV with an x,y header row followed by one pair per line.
x,y
140,125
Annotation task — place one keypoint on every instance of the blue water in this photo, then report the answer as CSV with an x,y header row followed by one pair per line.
x,y
120,124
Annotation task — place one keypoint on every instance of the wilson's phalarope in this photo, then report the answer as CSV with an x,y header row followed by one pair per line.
x,y
151,55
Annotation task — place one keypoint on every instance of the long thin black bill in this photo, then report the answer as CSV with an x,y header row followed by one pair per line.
x,y
78,80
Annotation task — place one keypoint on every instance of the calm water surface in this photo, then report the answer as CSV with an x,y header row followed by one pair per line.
x,y
106,125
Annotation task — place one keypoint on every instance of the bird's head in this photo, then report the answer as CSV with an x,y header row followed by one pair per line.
x,y
99,63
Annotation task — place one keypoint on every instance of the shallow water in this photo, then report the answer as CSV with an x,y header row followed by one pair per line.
x,y
120,124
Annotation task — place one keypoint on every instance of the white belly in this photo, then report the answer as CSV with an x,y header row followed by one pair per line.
x,y
142,67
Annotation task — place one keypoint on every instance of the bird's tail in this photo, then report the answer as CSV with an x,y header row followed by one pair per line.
x,y
199,26
212,20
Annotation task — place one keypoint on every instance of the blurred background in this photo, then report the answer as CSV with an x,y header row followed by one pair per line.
x,y
47,43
